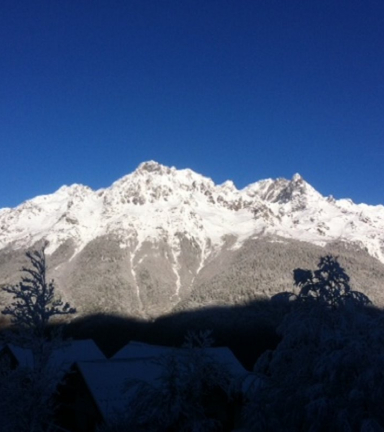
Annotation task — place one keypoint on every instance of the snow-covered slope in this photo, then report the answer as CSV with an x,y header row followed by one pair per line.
x,y
166,225
156,202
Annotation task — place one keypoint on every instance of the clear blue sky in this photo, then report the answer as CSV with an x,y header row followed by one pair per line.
x,y
234,89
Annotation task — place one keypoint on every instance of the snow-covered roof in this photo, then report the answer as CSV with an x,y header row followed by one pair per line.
x,y
135,350
222,355
23,356
78,350
106,380
64,356
225,356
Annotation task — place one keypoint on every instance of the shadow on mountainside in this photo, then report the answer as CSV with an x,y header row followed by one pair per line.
x,y
316,353
248,330
317,359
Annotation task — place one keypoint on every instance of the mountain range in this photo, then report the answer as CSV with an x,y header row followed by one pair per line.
x,y
162,239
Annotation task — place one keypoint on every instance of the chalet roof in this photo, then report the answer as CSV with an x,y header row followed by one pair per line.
x,y
106,380
135,350
222,355
66,355
78,350
23,356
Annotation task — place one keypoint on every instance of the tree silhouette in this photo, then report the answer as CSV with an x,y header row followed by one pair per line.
x,y
328,284
326,374
34,298
27,402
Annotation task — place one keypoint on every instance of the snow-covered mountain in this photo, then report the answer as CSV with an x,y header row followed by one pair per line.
x,y
145,243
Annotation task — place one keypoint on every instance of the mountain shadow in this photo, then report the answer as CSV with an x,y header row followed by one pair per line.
x,y
316,359
248,330
316,354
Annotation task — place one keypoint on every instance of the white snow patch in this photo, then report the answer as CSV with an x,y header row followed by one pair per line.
x,y
158,203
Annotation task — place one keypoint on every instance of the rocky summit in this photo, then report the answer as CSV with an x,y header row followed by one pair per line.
x,y
161,239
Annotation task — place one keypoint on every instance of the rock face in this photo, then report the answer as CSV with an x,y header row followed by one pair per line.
x,y
162,238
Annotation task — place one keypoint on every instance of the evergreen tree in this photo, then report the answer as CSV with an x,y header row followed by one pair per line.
x,y
328,284
326,374
34,302
26,393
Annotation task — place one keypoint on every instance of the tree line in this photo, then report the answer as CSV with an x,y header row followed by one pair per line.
x,y
325,374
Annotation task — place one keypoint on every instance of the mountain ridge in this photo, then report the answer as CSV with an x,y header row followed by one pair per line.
x,y
159,235
77,212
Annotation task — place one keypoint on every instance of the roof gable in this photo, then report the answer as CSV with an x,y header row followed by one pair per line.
x,y
106,381
62,357
222,355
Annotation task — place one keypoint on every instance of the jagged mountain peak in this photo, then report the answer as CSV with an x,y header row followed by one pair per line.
x,y
160,228
152,174
159,199
295,190
74,189
281,190
228,186
153,170
297,178
152,182
152,167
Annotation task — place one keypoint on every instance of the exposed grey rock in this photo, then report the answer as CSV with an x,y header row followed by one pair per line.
x,y
162,239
